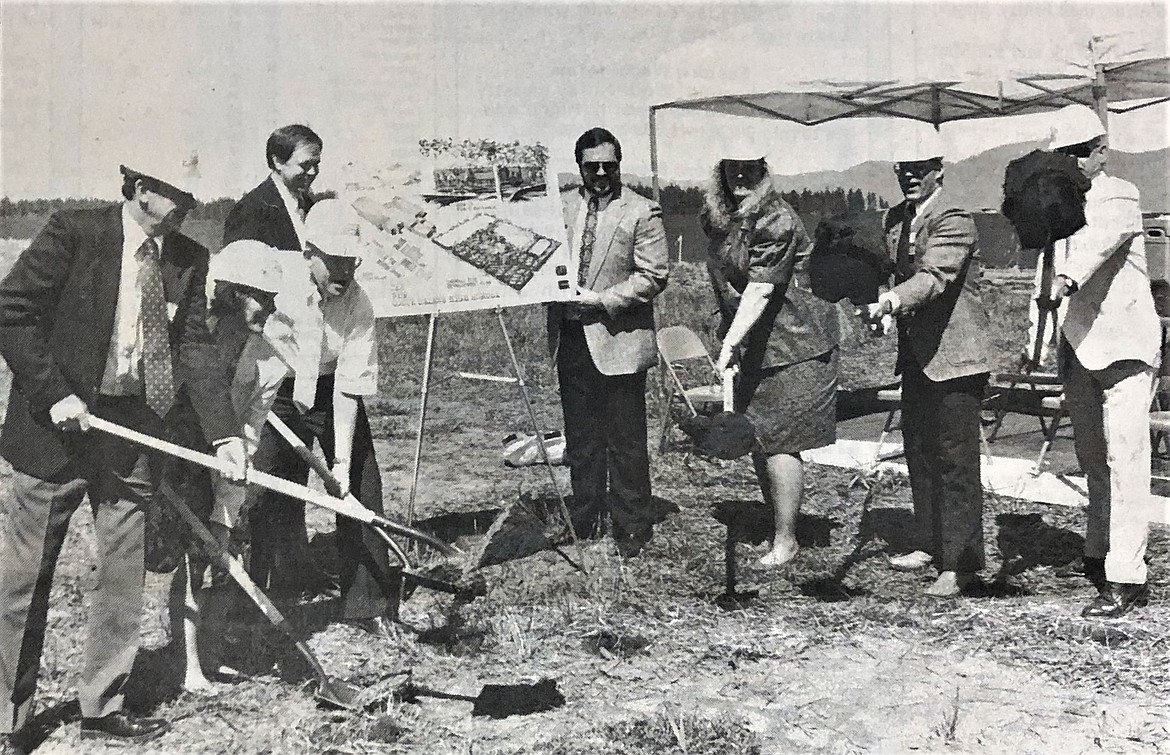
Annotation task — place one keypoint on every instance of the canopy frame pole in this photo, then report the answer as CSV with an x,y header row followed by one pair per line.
x,y
1101,95
654,154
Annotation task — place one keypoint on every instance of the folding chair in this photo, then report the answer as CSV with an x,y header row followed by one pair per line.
x,y
1055,405
678,344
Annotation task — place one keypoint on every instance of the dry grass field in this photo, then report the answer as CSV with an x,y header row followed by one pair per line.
x,y
834,653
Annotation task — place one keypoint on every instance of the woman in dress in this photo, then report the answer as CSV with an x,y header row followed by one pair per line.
x,y
776,334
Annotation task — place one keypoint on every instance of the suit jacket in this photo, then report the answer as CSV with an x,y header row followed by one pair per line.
x,y
628,268
57,308
1111,316
942,325
261,215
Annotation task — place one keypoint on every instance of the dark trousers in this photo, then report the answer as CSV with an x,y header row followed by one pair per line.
x,y
605,439
276,520
940,431
118,477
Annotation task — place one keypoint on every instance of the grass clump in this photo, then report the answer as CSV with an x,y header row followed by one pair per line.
x,y
662,733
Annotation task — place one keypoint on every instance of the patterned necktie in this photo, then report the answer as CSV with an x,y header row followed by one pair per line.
x,y
588,234
157,371
904,265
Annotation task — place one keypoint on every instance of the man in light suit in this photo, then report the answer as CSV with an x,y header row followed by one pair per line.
x,y
603,343
1109,347
274,213
943,357
96,317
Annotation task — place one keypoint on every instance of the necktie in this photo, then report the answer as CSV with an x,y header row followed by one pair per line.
x,y
588,234
302,206
157,371
904,265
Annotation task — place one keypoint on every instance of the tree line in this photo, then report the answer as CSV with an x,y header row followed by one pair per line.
x,y
676,200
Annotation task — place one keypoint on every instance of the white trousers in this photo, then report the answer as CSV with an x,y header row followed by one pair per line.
x,y
1110,409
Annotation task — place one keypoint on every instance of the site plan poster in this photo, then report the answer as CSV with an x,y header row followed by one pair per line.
x,y
474,224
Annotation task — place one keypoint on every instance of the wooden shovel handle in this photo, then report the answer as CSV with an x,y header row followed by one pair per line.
x,y
729,389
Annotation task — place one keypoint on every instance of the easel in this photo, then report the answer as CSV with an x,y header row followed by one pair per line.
x,y
432,319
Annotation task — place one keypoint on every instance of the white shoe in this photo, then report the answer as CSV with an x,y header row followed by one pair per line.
x,y
910,561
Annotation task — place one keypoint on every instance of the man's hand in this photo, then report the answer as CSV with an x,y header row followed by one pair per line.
x,y
70,414
1062,287
879,315
587,301
233,461
341,474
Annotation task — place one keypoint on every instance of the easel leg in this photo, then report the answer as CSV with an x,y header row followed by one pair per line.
x,y
422,415
536,426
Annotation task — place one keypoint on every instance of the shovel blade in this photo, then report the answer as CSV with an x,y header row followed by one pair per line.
x,y
338,694
503,700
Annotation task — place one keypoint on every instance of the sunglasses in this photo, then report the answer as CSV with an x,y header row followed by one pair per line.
x,y
917,169
609,165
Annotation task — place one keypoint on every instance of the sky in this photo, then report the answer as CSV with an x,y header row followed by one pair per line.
x,y
84,87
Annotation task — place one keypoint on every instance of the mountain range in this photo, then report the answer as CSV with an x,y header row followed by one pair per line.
x,y
977,181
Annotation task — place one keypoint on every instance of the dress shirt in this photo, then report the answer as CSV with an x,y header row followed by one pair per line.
x,y
292,207
339,331
123,373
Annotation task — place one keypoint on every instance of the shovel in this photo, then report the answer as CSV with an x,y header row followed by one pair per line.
x,y
495,700
332,692
333,487
726,435
353,510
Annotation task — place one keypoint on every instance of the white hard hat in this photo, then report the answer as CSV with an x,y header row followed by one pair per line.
x,y
925,144
180,172
249,263
733,141
335,227
1075,124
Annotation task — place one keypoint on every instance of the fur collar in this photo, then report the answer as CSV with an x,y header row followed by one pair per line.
x,y
720,208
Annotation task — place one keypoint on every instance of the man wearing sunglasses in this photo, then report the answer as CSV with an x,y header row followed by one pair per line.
x,y
943,357
603,343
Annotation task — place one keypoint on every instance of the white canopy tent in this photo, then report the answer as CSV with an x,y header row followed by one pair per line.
x,y
935,63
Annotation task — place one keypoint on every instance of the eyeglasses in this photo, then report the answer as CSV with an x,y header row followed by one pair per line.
x,y
610,166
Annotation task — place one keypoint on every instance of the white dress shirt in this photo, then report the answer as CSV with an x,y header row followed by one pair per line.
x,y
292,207
336,336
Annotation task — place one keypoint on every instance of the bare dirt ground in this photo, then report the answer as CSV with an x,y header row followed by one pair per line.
x,y
834,653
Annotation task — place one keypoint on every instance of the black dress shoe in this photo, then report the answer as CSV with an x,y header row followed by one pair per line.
x,y
377,626
119,727
1116,600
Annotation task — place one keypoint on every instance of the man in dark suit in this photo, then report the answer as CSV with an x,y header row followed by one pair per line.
x,y
94,318
943,357
604,343
274,213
